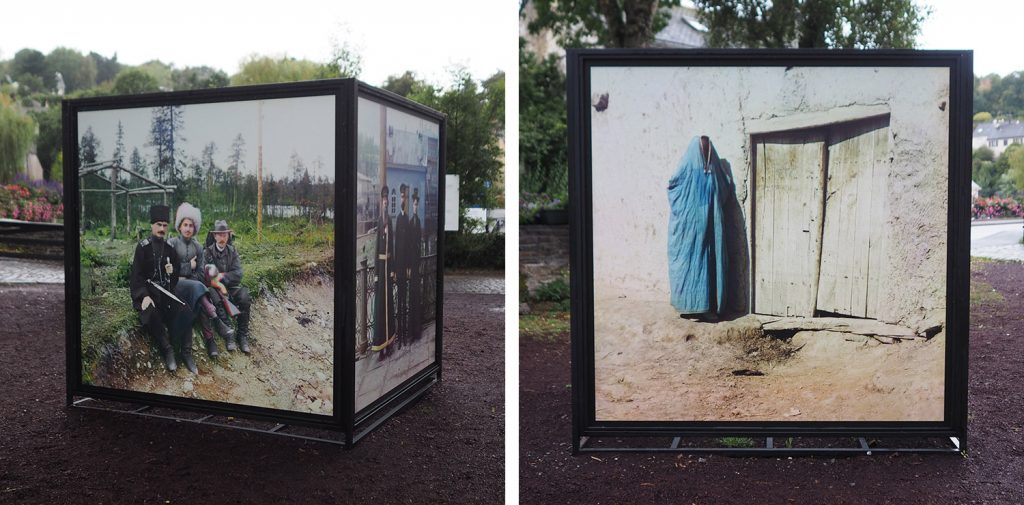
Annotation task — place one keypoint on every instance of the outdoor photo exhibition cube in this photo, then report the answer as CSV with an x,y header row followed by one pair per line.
x,y
769,244
269,252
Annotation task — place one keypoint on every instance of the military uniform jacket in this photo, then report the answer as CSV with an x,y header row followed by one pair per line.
x,y
151,255
228,263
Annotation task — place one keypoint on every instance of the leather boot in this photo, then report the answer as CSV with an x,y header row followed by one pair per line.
x,y
169,361
208,308
160,337
208,336
243,342
229,339
185,342
190,364
243,331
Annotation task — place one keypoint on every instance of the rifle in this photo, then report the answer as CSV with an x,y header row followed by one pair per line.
x,y
214,282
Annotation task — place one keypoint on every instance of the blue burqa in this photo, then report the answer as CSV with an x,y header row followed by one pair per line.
x,y
696,247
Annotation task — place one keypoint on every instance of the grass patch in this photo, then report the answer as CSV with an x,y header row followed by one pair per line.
x,y
546,327
736,442
978,261
982,293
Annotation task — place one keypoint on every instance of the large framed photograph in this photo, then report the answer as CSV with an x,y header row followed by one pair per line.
x,y
769,242
266,251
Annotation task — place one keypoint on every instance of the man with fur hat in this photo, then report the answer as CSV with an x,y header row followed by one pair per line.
x,y
191,289
224,256
154,277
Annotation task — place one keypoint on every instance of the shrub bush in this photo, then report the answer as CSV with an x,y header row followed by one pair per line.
x,y
474,250
996,207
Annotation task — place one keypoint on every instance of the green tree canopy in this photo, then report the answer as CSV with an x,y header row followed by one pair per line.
x,y
982,117
78,70
199,78
1015,162
847,24
134,81
345,62
603,23
48,142
401,84
268,70
28,61
543,136
16,131
983,153
1002,96
160,71
473,151
106,68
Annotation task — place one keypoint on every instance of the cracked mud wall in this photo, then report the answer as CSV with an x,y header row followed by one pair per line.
x,y
652,113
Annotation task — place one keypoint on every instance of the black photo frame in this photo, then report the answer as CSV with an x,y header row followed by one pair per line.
x,y
345,419
590,433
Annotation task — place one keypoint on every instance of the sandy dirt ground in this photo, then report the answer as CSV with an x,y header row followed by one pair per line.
x,y
376,376
290,367
653,365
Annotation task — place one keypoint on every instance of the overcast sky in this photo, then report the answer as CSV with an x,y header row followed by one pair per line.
x,y
303,125
989,27
392,35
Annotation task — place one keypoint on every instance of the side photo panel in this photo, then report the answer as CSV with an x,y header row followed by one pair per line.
x,y
396,248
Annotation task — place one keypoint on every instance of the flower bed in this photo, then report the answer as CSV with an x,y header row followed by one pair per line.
x,y
996,207
38,201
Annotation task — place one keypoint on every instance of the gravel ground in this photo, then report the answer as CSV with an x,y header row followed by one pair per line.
x,y
447,447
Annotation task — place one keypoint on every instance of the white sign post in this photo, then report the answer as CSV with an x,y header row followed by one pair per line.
x,y
451,203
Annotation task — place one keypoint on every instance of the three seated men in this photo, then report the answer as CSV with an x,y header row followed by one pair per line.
x,y
173,281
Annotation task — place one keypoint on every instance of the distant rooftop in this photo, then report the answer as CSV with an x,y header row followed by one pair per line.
x,y
999,129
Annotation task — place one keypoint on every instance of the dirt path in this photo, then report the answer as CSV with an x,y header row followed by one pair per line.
x,y
448,447
653,365
991,473
291,364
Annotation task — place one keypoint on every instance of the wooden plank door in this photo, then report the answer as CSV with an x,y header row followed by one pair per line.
x,y
788,203
856,206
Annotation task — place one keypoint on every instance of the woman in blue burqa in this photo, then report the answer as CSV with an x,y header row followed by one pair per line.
x,y
696,246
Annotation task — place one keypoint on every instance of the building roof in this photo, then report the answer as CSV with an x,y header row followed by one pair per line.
x,y
683,30
999,130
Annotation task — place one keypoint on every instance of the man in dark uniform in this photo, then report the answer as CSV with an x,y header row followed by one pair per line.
x,y
383,300
402,262
415,240
225,257
158,263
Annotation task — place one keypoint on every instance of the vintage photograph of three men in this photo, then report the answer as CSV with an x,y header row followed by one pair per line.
x,y
207,251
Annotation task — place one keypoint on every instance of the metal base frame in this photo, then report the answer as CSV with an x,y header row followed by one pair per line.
x,y
769,448
278,429
373,423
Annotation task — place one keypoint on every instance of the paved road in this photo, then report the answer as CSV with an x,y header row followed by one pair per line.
x,y
998,240
481,284
21,271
